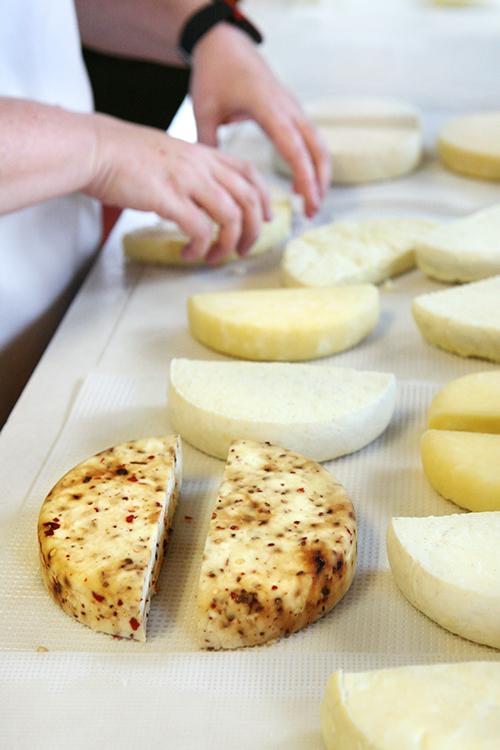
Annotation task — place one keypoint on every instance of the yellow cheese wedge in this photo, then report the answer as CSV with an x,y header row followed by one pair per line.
x,y
284,324
436,707
463,467
470,403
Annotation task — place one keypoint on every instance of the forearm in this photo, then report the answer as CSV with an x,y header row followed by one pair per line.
x,y
145,29
45,152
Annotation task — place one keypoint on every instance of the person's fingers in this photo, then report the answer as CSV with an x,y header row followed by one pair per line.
x,y
319,153
219,204
193,222
206,127
251,175
247,197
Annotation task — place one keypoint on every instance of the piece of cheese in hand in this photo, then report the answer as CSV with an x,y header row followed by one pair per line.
x,y
103,531
280,551
464,320
353,252
463,250
470,403
436,707
448,567
321,412
471,145
284,324
463,467
163,242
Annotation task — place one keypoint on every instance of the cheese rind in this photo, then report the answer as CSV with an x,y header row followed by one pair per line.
x,y
463,320
448,567
102,534
439,707
163,242
470,403
321,412
471,145
284,324
353,252
463,250
463,467
280,551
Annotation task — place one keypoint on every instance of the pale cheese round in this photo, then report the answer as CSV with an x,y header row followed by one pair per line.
x,y
471,145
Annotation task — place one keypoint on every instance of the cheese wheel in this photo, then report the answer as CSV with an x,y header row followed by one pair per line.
x,y
353,252
463,320
163,242
322,412
436,707
284,324
463,250
448,567
470,403
463,467
368,139
280,551
102,534
471,145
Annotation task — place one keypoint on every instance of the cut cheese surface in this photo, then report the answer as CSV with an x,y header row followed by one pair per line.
x,y
102,534
353,252
463,467
471,145
436,707
464,320
284,324
464,250
368,139
163,242
470,403
321,412
280,551
448,567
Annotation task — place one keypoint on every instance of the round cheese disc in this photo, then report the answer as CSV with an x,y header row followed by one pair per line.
x,y
471,145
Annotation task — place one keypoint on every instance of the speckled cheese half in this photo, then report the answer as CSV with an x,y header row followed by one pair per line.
x,y
448,567
353,252
281,548
103,531
471,145
321,412
464,320
436,707
470,403
284,324
463,250
163,242
463,467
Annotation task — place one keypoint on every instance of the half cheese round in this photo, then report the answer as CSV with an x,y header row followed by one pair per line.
x,y
448,567
470,403
280,551
163,242
464,320
284,324
436,707
353,252
102,534
322,412
471,145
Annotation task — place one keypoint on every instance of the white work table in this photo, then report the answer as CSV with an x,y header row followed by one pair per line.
x,y
124,326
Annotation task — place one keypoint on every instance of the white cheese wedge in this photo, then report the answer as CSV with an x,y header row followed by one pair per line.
x,y
463,467
321,412
353,252
280,551
470,403
103,530
431,707
163,242
448,567
464,320
368,139
471,145
464,250
284,324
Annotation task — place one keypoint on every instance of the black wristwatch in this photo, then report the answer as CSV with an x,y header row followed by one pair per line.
x,y
208,16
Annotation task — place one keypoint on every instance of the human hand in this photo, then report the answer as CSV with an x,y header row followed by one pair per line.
x,y
142,168
230,81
